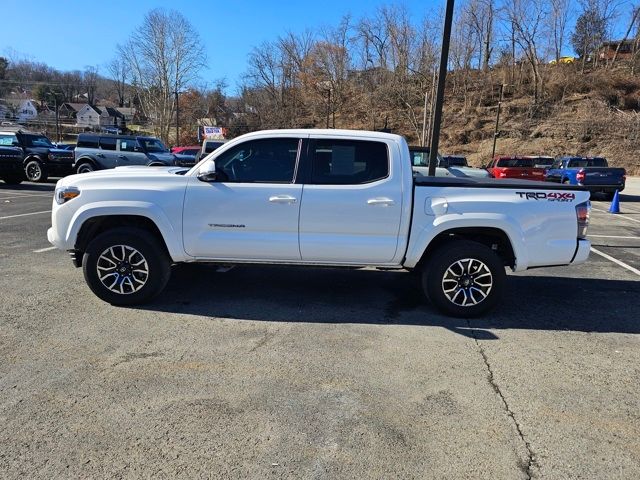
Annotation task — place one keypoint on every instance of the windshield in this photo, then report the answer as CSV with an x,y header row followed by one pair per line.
x,y
515,162
456,161
37,141
542,161
153,145
587,162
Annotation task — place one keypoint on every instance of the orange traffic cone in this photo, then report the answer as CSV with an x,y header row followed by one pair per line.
x,y
615,204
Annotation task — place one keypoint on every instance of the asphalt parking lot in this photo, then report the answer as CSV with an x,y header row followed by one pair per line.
x,y
266,372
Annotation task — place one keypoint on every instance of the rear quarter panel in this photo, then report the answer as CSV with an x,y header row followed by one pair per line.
x,y
542,231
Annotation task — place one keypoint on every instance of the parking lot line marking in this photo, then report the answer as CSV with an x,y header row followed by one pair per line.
x,y
616,261
47,249
614,236
24,196
24,214
622,217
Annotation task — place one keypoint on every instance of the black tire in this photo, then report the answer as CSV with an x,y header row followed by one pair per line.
x,y
35,171
85,167
13,179
467,279
120,243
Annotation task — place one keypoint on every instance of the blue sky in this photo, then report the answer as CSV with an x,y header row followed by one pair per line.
x,y
72,34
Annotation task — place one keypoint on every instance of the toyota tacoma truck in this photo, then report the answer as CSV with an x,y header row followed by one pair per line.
x,y
334,198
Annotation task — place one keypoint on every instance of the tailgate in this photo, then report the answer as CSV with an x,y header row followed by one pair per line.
x,y
603,176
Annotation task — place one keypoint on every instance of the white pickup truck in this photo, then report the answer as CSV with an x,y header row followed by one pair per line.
x,y
315,197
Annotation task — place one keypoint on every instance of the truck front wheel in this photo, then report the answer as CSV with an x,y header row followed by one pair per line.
x,y
35,172
126,266
463,279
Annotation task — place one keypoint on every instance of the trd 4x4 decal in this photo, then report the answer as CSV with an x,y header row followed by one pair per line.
x,y
550,196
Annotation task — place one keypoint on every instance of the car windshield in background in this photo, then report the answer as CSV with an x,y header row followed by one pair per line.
x,y
515,162
541,162
153,145
211,146
587,162
456,161
37,141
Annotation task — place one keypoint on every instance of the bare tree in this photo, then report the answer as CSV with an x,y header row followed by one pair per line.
x,y
90,80
527,18
635,12
557,20
119,71
164,56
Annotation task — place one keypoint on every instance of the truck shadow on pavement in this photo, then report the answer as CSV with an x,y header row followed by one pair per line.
x,y
48,186
317,295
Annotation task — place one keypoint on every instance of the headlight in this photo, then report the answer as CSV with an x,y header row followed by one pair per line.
x,y
64,194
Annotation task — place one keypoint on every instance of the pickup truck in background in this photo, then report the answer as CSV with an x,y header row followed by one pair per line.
x,y
336,198
529,167
445,167
593,173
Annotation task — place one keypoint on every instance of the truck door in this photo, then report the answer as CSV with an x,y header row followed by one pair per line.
x,y
251,211
352,203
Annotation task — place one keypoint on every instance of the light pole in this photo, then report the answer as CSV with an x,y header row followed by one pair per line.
x,y
442,76
177,118
495,131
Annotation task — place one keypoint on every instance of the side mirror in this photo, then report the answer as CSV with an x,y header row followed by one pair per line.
x,y
207,172
15,143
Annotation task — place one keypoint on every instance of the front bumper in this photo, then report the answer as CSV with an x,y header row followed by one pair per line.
x,y
582,252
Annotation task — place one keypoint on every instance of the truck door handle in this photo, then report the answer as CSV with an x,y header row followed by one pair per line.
x,y
121,156
101,155
384,201
283,199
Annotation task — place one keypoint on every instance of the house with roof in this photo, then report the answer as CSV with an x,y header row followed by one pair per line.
x,y
99,116
70,109
626,49
22,110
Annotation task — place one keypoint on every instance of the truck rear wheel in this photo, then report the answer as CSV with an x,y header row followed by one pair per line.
x,y
464,279
126,266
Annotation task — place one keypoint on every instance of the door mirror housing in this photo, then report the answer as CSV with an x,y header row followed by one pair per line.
x,y
207,172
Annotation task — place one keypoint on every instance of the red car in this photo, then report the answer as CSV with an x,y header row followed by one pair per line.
x,y
191,150
529,167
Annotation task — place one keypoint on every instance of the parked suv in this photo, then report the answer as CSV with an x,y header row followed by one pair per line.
x,y
40,157
102,151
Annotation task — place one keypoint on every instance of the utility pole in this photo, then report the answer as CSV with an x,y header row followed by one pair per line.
x,y
328,105
495,131
177,119
442,76
57,120
423,139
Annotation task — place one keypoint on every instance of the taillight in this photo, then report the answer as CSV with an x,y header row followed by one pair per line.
x,y
580,176
582,213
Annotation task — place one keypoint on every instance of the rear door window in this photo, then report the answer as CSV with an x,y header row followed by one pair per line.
x,y
7,140
87,142
349,162
107,143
